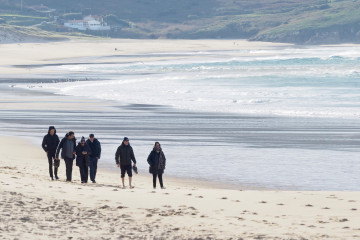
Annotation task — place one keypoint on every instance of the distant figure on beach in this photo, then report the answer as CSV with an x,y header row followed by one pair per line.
x,y
123,157
95,147
49,144
83,153
157,162
67,146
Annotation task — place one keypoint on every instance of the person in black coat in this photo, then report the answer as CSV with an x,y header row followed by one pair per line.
x,y
83,152
95,147
123,157
157,162
49,144
67,146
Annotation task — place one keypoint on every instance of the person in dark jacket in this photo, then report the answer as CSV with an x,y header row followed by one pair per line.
x,y
157,162
95,147
49,144
67,146
123,157
83,153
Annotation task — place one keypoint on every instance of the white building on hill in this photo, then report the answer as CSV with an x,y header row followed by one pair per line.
x,y
94,23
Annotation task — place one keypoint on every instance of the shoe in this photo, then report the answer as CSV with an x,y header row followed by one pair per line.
x,y
93,181
68,180
163,187
56,177
82,182
51,179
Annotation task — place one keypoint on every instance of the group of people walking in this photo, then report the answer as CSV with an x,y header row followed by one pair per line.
x,y
88,152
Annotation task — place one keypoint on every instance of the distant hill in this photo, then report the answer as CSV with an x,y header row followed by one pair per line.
x,y
294,21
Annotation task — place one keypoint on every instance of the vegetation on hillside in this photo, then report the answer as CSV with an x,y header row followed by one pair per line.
x,y
296,21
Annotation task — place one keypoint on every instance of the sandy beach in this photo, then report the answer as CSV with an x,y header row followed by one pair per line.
x,y
25,54
33,207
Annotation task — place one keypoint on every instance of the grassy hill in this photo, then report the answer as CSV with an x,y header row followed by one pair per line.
x,y
296,21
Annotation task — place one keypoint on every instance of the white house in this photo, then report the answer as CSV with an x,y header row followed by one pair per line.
x,y
94,23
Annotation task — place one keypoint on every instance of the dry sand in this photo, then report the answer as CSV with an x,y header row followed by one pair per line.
x,y
76,50
33,207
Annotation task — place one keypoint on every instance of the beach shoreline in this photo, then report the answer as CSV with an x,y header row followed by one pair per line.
x,y
33,207
28,110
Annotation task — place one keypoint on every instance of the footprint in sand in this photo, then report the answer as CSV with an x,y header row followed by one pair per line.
x,y
224,198
280,204
263,202
189,194
326,208
353,209
322,222
200,197
308,205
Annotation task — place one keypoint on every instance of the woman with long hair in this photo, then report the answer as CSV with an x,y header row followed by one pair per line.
x,y
157,162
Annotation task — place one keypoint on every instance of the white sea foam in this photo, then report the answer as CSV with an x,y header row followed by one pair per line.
x,y
307,82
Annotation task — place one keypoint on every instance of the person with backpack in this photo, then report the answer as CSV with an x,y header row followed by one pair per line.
x,y
49,144
157,162
123,157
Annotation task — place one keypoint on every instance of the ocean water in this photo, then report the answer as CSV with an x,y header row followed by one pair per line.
x,y
283,118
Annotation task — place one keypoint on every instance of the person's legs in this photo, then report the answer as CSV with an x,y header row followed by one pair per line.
x,y
123,169
56,166
95,162
154,180
129,173
86,172
91,166
161,180
50,160
81,173
69,165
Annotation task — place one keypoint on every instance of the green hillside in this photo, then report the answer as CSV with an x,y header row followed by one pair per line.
x,y
295,21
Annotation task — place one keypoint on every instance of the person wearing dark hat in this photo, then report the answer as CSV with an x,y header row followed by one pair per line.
x,y
67,146
95,147
157,162
49,144
123,157
83,153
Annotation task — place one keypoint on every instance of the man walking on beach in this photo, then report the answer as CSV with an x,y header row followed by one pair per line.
x,y
95,147
68,145
49,144
123,157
